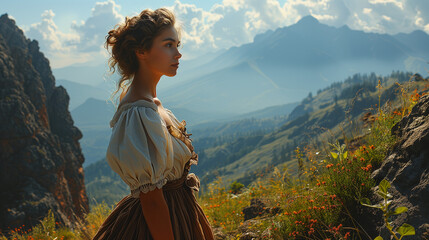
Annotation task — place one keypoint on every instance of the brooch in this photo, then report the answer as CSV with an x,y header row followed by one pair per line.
x,y
180,133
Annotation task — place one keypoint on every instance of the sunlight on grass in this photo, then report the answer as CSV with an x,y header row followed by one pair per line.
x,y
313,205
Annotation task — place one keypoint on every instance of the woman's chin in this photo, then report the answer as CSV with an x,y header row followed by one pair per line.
x,y
171,74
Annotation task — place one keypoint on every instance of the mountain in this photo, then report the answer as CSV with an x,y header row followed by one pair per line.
x,y
103,184
93,117
93,114
243,149
316,118
280,66
41,159
284,65
268,112
79,93
83,73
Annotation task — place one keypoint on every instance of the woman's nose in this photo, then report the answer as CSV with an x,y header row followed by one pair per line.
x,y
178,54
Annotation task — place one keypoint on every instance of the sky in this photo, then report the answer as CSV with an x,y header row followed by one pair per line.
x,y
73,32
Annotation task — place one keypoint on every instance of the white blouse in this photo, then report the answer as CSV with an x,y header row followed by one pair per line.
x,y
142,150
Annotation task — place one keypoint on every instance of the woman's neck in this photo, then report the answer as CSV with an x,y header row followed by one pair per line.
x,y
144,83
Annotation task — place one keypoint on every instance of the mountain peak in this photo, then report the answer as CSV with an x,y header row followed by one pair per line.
x,y
308,20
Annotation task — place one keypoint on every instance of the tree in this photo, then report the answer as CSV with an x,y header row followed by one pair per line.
x,y
236,187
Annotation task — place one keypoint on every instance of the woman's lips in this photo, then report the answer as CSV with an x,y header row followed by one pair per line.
x,y
175,65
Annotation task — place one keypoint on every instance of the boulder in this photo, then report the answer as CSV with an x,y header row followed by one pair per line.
x,y
406,167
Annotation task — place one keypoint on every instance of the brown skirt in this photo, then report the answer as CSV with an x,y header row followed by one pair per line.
x,y
187,218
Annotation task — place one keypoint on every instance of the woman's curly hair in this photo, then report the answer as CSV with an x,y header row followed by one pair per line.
x,y
136,33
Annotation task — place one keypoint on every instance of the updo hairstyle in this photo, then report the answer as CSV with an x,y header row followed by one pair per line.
x,y
136,33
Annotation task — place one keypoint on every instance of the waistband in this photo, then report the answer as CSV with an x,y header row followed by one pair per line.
x,y
187,180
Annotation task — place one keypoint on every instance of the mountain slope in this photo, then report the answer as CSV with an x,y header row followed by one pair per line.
x,y
322,117
241,150
297,59
79,93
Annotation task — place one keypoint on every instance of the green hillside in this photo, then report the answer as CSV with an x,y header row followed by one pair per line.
x,y
102,184
246,149
333,112
312,186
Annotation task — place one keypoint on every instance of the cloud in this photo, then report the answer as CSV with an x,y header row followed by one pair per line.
x,y
367,10
235,22
397,3
85,41
92,32
48,34
196,25
56,44
232,23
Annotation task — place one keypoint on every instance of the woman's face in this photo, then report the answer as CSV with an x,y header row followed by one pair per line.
x,y
163,57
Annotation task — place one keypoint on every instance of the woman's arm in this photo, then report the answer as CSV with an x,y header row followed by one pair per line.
x,y
156,214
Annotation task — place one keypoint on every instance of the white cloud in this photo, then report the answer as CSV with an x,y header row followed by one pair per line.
x,y
397,3
387,18
11,17
367,10
234,22
53,42
196,25
84,43
92,32
48,34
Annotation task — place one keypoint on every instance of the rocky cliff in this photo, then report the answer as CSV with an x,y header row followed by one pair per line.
x,y
40,157
407,169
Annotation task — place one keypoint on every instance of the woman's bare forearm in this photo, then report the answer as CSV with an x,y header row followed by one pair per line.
x,y
156,214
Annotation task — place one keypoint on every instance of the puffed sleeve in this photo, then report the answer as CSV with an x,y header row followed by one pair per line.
x,y
140,150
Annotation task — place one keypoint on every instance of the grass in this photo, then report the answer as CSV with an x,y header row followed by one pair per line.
x,y
315,205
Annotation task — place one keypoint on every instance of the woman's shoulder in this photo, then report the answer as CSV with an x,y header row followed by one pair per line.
x,y
126,107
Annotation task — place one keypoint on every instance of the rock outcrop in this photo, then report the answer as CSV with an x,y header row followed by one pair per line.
x,y
40,158
407,169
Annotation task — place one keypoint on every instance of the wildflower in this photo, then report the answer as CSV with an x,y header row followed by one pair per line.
x,y
347,235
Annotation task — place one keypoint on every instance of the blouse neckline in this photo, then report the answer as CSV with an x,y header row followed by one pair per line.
x,y
144,103
179,126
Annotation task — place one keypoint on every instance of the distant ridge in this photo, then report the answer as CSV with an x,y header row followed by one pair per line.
x,y
299,59
308,20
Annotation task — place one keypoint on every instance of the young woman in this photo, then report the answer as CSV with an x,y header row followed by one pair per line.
x,y
149,148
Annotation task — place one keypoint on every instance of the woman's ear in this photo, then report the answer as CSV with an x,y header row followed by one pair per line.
x,y
140,53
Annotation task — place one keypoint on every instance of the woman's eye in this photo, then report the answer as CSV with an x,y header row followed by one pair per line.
x,y
171,44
